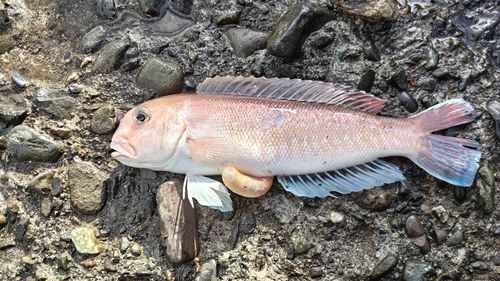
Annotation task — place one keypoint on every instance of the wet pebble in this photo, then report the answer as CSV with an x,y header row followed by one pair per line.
x,y
208,271
440,213
92,40
55,101
18,80
150,7
86,187
462,84
42,183
25,144
493,108
177,223
455,239
111,56
13,110
417,271
373,10
109,266
247,223
371,50
233,237
292,29
316,271
162,76
246,41
85,240
104,120
441,72
486,185
459,192
408,102
416,233
384,266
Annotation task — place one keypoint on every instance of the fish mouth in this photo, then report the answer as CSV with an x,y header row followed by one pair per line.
x,y
122,150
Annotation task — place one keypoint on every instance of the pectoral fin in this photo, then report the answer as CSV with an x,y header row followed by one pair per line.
x,y
344,181
207,192
245,185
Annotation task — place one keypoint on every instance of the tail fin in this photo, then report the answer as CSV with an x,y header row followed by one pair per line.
x,y
447,158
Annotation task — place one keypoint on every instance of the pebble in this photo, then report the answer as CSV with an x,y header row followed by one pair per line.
x,y
415,270
13,110
63,133
373,10
496,259
438,235
104,120
40,274
432,59
107,9
63,261
370,50
177,223
493,108
377,199
75,88
462,84
18,81
322,41
85,240
150,7
336,217
441,72
413,227
440,213
316,271
208,271
228,17
124,244
292,29
398,79
245,41
3,220
111,56
162,76
86,187
25,144
55,101
109,266
302,244
367,80
459,192
92,40
455,239
42,183
479,265
409,103
135,249
486,185
3,142
46,207
247,223
383,267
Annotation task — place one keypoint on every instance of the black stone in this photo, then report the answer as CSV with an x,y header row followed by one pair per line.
x,y
409,103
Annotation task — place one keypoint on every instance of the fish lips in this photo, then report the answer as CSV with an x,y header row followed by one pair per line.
x,y
122,151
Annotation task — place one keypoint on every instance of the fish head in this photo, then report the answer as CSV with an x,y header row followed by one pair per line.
x,y
148,136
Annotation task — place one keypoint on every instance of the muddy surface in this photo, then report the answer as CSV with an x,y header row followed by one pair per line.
x,y
434,51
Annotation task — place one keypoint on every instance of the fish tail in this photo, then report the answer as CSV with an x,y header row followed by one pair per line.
x,y
447,158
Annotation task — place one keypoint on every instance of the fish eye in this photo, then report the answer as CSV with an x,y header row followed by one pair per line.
x,y
141,115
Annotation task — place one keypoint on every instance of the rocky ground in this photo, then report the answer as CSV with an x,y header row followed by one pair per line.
x,y
69,70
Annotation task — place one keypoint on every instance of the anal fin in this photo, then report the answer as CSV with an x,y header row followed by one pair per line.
x,y
344,181
207,192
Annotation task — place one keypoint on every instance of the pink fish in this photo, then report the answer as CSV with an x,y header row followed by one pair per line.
x,y
316,137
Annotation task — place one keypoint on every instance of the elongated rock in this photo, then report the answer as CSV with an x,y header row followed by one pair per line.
x,y
25,144
177,223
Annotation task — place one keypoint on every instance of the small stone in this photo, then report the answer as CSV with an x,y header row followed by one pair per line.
x,y
284,209
377,199
302,245
496,259
21,229
162,76
85,241
46,207
384,267
228,17
150,7
111,56
86,187
148,174
107,9
455,239
366,81
459,192
208,271
373,10
135,249
25,144
125,243
479,265
322,41
292,29
413,227
3,220
246,41
247,223
235,234
336,217
316,272
417,271
109,266
371,51
493,108
63,133
440,213
28,260
479,255
104,120
13,205
408,102
40,274
75,88
88,263
55,101
18,80
462,84
3,142
42,183
13,110
439,235
63,261
398,79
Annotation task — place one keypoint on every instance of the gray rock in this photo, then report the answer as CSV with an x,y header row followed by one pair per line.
x,y
479,265
247,223
46,207
302,244
383,267
13,110
208,271
316,271
493,108
292,29
246,41
162,76
3,142
150,7
18,80
25,144
55,101
374,10
283,208
86,187
371,50
408,101
42,183
417,271
135,249
85,240
111,56
455,239
104,120
107,9
63,261
366,81
440,213
496,259
177,223
228,17
92,41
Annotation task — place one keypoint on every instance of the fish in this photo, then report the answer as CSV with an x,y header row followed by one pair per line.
x,y
317,139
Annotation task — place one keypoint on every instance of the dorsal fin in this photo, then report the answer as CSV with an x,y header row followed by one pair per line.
x,y
293,89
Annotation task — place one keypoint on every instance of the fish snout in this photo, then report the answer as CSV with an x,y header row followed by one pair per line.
x,y
122,148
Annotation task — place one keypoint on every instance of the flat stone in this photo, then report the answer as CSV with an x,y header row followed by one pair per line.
x,y
104,120
162,76
55,101
455,239
13,110
25,144
86,187
292,29
373,10
246,41
85,240
92,40
384,266
111,56
177,223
